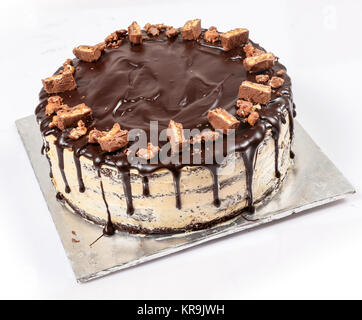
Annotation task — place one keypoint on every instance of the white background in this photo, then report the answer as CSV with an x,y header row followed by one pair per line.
x,y
315,255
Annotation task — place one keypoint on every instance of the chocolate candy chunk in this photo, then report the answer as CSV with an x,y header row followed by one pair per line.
x,y
259,63
110,141
211,35
281,72
172,32
276,82
253,118
135,33
149,152
59,83
176,136
69,117
55,103
115,39
87,53
151,29
250,51
78,132
262,78
255,92
68,66
244,108
191,30
221,119
234,38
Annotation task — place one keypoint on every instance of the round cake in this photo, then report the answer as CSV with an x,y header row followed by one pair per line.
x,y
165,130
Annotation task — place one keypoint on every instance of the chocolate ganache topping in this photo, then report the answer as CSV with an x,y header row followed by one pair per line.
x,y
162,79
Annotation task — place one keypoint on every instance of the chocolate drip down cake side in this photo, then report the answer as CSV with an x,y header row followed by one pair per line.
x,y
165,130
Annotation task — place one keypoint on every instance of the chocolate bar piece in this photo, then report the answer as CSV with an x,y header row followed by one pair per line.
x,y
172,32
222,120
259,63
234,38
176,136
79,131
55,103
250,51
244,108
68,66
276,82
211,35
87,53
149,152
115,39
262,78
59,83
151,29
69,117
135,33
255,92
253,118
191,30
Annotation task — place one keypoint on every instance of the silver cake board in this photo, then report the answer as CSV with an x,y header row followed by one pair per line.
x,y
313,181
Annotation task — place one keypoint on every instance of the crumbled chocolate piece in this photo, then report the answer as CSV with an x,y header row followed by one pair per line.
x,y
251,51
94,135
211,35
151,29
87,53
55,103
244,108
110,141
280,72
234,38
69,117
176,136
135,33
79,131
255,92
191,30
101,46
262,78
221,119
276,82
59,83
260,62
115,39
149,152
68,66
253,118
172,32
161,26
206,135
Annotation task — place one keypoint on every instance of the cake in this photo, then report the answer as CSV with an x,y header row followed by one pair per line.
x,y
214,112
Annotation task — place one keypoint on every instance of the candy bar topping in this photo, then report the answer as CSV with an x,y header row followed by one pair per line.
x,y
60,82
79,131
251,51
212,35
276,82
255,92
234,38
172,32
148,153
191,30
244,108
260,62
253,118
176,136
135,33
87,53
115,39
55,103
69,117
109,141
222,120
262,78
151,29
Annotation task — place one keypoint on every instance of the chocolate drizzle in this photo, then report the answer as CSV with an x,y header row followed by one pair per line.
x,y
164,79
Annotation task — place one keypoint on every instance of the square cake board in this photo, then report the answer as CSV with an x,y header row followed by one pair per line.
x,y
313,181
